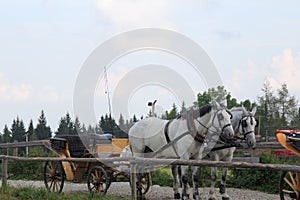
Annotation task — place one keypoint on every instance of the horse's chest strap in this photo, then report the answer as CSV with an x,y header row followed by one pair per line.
x,y
166,131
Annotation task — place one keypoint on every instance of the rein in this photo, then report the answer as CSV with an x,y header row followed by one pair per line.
x,y
200,137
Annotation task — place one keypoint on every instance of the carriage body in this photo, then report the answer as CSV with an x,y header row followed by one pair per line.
x,y
99,175
289,183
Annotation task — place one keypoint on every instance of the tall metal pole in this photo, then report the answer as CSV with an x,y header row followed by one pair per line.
x,y
107,90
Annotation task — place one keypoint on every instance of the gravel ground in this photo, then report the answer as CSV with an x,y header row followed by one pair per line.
x,y
156,192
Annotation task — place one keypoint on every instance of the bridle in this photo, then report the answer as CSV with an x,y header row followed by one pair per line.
x,y
243,124
219,117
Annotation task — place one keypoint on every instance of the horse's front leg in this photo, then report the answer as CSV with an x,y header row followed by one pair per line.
x,y
184,179
213,177
175,181
195,182
225,196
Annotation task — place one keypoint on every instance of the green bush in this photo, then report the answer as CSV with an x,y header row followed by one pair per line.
x,y
162,177
262,180
30,170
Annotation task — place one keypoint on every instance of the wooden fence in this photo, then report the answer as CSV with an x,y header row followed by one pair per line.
x,y
136,162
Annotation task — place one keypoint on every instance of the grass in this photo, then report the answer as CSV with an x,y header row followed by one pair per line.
x,y
28,193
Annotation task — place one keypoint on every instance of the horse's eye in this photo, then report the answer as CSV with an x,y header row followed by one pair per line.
x,y
220,116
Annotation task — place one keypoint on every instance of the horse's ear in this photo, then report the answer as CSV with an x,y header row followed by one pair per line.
x,y
215,105
253,111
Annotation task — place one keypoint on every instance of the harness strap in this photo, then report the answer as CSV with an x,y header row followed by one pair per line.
x,y
192,129
167,136
166,131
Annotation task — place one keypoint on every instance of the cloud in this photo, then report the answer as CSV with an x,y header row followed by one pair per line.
x,y
247,80
47,94
228,35
12,92
132,14
285,68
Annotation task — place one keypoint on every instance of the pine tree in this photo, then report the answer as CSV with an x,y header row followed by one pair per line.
x,y
173,113
286,104
18,130
134,119
121,122
77,126
6,137
42,131
83,129
62,127
30,131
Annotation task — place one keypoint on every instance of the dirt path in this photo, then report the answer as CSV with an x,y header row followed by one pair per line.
x,y
156,192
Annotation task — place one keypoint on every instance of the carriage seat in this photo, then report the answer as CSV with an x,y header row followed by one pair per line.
x,y
75,145
294,140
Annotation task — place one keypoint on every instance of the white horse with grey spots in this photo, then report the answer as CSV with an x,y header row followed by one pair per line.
x,y
183,136
244,124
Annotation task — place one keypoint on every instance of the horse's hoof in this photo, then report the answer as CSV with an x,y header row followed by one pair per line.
x,y
196,197
225,198
177,196
222,189
141,197
186,197
212,198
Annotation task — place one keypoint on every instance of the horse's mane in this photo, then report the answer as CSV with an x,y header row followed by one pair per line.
x,y
241,109
205,109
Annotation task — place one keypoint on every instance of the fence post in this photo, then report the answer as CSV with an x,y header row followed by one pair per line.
x,y
4,171
133,180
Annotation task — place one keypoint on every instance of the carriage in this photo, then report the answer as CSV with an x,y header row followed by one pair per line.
x,y
289,183
98,175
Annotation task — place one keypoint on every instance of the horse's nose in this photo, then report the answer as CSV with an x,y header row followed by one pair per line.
x,y
251,144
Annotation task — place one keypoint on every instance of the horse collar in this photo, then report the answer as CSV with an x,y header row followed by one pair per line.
x,y
199,137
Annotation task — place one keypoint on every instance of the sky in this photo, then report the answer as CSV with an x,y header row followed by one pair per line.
x,y
44,45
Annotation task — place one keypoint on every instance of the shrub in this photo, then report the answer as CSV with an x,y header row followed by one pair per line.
x,y
262,180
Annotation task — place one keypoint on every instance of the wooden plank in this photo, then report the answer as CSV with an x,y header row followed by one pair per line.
x,y
22,144
4,171
246,159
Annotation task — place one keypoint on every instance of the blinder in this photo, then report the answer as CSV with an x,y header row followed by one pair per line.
x,y
231,116
257,122
244,123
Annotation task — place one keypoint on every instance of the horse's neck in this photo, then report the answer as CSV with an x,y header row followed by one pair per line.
x,y
237,116
204,122
177,126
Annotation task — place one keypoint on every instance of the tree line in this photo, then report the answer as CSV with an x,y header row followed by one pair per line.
x,y
275,110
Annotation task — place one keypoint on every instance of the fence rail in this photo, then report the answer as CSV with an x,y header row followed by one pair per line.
x,y
135,163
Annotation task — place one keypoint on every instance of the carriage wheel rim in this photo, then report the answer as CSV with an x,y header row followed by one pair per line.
x,y
98,181
53,176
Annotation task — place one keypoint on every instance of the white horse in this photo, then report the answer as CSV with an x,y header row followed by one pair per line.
x,y
244,124
183,136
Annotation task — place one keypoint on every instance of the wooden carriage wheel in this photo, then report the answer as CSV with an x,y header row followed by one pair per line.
x,y
98,181
54,176
289,186
146,182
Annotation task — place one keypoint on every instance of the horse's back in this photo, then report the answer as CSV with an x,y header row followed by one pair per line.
x,y
147,132
147,127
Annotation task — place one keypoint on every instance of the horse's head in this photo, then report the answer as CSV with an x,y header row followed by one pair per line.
x,y
247,126
221,121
